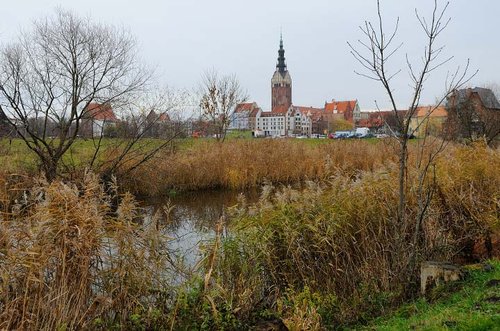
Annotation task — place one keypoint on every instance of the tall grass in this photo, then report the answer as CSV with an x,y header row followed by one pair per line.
x,y
336,252
248,163
77,256
68,261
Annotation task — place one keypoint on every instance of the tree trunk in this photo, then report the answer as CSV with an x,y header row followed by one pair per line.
x,y
402,176
49,167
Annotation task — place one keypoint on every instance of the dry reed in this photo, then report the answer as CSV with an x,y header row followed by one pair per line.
x,y
330,254
238,164
67,261
342,240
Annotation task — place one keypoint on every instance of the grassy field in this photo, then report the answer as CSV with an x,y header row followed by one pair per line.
x,y
15,156
471,304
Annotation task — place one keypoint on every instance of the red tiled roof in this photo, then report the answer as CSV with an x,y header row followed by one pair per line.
x,y
100,112
305,110
314,113
164,117
280,110
341,106
371,122
247,106
154,117
379,118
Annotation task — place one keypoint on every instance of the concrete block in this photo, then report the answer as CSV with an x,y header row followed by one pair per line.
x,y
435,273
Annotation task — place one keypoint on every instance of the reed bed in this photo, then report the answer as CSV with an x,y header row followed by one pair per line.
x,y
335,254
69,260
82,256
238,164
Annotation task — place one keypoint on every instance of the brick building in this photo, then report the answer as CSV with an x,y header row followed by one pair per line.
x,y
285,118
473,113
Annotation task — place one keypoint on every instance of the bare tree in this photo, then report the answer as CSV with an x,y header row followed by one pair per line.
x,y
53,73
219,97
375,53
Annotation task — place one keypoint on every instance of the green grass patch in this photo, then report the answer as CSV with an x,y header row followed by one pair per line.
x,y
239,134
475,306
16,156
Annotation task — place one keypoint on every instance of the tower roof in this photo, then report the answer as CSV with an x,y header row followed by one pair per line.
x,y
281,65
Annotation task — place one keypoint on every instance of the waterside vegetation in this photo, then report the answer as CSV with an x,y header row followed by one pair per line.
x,y
304,259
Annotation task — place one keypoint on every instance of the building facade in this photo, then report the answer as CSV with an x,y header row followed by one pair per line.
x,y
244,115
285,118
97,120
473,113
428,120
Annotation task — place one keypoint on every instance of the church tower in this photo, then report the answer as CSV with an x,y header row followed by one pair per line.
x,y
281,83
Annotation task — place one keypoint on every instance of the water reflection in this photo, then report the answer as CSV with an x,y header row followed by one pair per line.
x,y
190,218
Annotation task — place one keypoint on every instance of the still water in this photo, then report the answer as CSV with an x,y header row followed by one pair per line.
x,y
190,218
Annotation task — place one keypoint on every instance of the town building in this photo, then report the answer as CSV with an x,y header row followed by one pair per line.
x,y
428,120
244,116
382,121
287,119
347,110
155,125
473,113
425,120
97,120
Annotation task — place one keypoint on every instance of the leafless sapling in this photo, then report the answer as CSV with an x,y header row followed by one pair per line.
x,y
375,53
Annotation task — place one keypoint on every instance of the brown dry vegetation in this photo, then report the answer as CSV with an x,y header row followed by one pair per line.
x,y
331,254
248,163
335,252
68,262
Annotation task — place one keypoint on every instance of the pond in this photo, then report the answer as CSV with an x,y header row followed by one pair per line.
x,y
191,218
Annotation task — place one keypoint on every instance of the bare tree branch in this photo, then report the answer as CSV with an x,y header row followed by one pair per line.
x,y
219,97
52,74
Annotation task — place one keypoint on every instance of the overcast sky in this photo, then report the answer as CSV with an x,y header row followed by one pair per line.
x,y
183,38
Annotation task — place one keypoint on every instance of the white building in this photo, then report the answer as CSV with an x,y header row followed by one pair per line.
x,y
289,121
273,123
243,116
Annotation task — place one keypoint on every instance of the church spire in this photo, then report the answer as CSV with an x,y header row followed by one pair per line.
x,y
281,83
281,65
